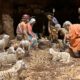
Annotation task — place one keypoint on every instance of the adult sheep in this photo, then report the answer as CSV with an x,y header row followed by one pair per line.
x,y
10,58
12,73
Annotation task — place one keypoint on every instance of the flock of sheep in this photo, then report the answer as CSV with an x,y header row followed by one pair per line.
x,y
15,55
11,56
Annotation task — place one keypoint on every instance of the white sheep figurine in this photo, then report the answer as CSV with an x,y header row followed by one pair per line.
x,y
25,44
10,58
11,50
4,42
7,58
60,56
12,73
20,53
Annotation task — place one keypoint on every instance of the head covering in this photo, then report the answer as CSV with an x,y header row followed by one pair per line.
x,y
66,23
57,26
25,16
32,20
54,20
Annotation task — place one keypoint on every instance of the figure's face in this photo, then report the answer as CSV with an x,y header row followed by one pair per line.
x,y
49,17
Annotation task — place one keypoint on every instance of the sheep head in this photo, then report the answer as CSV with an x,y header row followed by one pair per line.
x,y
51,51
20,64
5,36
11,50
20,53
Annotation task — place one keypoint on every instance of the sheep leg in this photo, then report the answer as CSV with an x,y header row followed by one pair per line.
x,y
64,61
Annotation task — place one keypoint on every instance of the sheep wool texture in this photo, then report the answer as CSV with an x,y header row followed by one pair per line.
x,y
60,56
11,74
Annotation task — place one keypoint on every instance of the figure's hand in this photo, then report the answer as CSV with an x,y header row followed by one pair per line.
x,y
67,36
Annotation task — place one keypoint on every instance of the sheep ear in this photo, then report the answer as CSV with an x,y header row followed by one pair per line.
x,y
50,50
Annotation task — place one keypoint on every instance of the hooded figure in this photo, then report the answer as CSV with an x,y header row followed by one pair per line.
x,y
31,35
74,37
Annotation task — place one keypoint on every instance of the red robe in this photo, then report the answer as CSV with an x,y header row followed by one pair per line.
x,y
74,37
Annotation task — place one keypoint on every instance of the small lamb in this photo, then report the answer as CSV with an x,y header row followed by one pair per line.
x,y
20,53
25,44
11,50
12,73
60,56
4,42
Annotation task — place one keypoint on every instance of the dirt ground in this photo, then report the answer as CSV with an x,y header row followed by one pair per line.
x,y
41,67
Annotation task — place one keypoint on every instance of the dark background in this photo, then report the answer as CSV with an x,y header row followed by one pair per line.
x,y
65,10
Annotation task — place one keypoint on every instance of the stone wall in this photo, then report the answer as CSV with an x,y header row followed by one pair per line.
x,y
6,21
